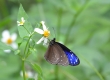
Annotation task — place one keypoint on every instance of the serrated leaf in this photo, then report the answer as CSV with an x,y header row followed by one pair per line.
x,y
37,68
26,29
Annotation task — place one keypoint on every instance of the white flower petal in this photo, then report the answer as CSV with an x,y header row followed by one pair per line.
x,y
18,22
21,73
22,19
43,25
14,45
14,36
40,31
40,40
45,41
30,74
6,34
4,39
7,51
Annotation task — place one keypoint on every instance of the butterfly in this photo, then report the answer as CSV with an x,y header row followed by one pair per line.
x,y
59,54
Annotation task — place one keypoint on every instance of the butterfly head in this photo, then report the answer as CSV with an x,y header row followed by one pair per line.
x,y
52,41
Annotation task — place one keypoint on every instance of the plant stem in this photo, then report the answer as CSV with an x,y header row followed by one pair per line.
x,y
23,68
93,67
25,56
26,29
56,72
27,43
73,21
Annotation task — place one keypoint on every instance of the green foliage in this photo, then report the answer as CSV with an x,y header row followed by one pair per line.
x,y
82,25
4,46
38,69
26,29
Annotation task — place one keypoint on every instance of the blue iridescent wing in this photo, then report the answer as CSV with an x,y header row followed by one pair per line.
x,y
72,58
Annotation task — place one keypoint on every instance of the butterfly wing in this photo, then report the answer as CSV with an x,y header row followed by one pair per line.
x,y
72,58
50,55
55,55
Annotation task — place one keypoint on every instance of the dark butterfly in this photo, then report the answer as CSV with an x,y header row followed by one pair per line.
x,y
59,54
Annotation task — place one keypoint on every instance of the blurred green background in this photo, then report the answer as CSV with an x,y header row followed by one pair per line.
x,y
82,25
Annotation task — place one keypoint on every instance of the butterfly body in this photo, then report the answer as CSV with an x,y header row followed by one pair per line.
x,y
59,54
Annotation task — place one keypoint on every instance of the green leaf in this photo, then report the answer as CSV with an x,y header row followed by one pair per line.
x,y
37,68
16,52
39,77
32,43
25,39
22,31
4,46
31,79
33,50
26,29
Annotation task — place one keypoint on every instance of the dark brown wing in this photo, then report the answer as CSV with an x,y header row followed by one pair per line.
x,y
55,55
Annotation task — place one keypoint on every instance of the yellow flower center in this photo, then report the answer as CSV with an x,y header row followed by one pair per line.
x,y
21,23
9,41
26,75
46,33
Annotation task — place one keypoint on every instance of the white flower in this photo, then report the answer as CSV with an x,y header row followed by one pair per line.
x,y
21,23
28,74
9,39
45,32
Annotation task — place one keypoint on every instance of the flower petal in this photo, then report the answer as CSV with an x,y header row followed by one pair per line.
x,y
14,36
4,39
7,51
14,45
43,25
22,19
40,31
18,22
45,41
30,74
40,40
6,34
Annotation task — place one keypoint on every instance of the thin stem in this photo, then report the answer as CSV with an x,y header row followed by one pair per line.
x,y
26,29
70,76
23,59
23,68
96,71
27,43
56,72
73,21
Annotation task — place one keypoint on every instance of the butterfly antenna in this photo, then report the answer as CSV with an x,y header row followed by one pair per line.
x,y
54,32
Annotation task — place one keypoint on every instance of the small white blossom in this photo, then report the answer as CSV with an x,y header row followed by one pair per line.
x,y
9,39
21,23
45,32
28,74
